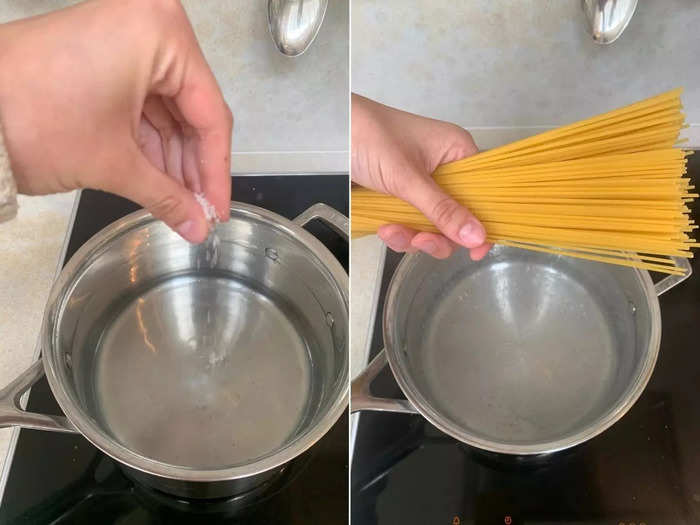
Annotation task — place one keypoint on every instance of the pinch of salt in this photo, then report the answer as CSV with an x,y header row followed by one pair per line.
x,y
207,208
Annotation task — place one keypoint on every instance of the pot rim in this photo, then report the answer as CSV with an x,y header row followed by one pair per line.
x,y
89,428
423,406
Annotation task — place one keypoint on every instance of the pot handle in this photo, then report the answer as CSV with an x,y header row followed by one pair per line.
x,y
362,399
336,220
11,412
670,281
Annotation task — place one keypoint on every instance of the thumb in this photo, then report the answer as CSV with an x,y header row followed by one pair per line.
x,y
454,220
163,196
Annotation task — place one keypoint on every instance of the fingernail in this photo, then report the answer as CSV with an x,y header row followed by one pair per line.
x,y
428,247
472,234
185,230
397,241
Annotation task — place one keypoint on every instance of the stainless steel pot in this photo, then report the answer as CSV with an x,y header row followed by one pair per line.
x,y
203,369
520,353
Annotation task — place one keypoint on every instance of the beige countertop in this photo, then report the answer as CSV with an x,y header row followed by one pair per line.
x,y
366,257
32,246
366,265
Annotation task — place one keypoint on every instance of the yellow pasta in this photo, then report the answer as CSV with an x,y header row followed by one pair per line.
x,y
611,188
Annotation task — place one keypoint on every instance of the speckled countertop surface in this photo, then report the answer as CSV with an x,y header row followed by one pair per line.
x,y
31,246
365,258
366,263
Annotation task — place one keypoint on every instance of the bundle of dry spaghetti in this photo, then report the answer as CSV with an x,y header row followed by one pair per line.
x,y
610,188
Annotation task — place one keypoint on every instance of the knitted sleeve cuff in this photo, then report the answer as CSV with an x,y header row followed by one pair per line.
x,y
8,189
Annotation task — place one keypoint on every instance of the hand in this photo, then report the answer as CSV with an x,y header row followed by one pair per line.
x,y
396,152
116,95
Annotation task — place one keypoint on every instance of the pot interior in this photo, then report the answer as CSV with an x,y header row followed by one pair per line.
x,y
521,352
202,357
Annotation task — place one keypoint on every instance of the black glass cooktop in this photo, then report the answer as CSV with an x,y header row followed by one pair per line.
x,y
645,469
61,478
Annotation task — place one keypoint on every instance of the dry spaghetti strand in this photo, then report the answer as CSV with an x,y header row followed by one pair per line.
x,y
611,188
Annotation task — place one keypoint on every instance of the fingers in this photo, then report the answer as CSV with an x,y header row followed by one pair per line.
x,y
397,237
433,244
461,145
190,163
151,144
202,108
170,133
190,156
167,199
403,239
479,252
458,224
452,219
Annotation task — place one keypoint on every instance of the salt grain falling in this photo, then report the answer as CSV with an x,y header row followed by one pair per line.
x,y
209,252
211,245
208,209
